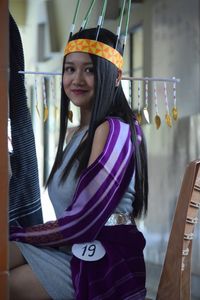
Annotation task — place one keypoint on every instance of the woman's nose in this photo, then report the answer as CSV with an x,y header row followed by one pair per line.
x,y
78,77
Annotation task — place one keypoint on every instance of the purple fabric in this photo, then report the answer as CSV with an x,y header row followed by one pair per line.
x,y
120,274
84,213
98,192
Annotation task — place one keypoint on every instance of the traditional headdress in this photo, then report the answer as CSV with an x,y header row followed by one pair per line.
x,y
94,46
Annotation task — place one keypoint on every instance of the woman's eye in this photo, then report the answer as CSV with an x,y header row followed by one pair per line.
x,y
69,69
89,70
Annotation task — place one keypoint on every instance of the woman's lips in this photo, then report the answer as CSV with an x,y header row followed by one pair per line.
x,y
79,92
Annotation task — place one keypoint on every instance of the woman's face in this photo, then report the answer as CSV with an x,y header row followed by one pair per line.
x,y
78,79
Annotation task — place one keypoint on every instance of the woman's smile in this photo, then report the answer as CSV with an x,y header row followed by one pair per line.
x,y
79,91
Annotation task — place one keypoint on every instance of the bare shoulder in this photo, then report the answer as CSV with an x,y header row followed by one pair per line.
x,y
99,141
102,131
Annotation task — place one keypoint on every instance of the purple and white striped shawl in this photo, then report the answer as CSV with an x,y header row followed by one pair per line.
x,y
99,190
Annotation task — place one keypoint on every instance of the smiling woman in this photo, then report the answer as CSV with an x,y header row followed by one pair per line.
x,y
98,185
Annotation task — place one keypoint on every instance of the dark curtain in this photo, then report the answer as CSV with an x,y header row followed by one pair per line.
x,y
24,193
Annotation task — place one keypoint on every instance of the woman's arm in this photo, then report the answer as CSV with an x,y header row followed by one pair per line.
x,y
98,191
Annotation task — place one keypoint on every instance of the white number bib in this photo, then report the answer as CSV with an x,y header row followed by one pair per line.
x,y
89,251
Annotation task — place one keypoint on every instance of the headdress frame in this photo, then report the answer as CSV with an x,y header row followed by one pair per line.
x,y
94,46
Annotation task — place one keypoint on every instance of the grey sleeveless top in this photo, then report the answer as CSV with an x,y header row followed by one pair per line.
x,y
61,194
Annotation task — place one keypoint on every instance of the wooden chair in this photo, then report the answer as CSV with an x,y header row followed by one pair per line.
x,y
175,280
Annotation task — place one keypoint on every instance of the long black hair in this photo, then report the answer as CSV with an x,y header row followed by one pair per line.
x,y
109,100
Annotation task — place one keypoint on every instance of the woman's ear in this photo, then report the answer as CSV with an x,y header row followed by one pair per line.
x,y
119,77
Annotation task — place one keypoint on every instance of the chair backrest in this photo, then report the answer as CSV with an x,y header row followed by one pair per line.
x,y
176,273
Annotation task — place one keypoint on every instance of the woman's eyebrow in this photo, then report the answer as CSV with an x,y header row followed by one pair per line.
x,y
72,63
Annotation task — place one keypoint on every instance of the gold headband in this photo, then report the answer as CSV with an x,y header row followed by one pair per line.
x,y
96,48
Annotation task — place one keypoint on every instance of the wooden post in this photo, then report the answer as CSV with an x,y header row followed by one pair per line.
x,y
4,149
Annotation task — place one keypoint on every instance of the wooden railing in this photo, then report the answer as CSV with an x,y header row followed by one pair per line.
x,y
4,150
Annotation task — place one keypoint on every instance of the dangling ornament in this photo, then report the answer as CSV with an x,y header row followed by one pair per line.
x,y
174,109
145,109
45,101
157,117
52,85
45,113
36,98
70,115
139,114
167,115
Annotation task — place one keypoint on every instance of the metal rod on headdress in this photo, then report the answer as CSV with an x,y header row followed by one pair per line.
x,y
86,19
173,79
74,19
120,23
101,19
127,23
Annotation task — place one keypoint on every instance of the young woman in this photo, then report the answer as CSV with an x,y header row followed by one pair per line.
x,y
98,185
